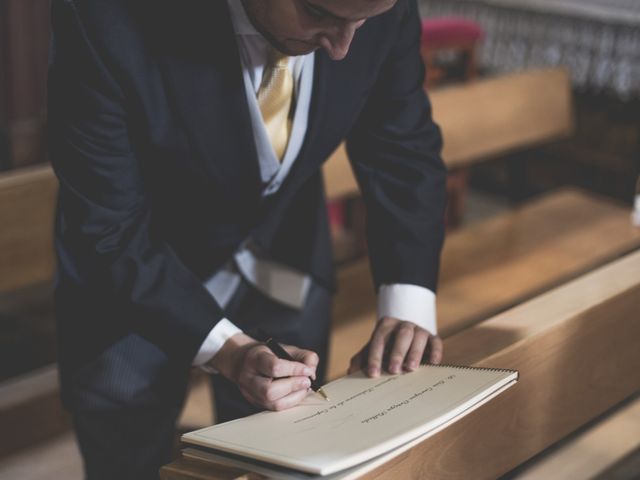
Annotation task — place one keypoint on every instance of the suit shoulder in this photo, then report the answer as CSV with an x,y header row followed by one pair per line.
x,y
95,12
112,28
104,22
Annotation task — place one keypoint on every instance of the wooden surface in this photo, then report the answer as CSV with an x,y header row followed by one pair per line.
x,y
485,119
31,409
30,406
495,264
56,459
492,265
500,114
597,449
202,471
27,203
575,348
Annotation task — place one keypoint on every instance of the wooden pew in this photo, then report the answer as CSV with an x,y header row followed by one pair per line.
x,y
31,410
493,265
598,450
575,348
27,202
485,119
30,407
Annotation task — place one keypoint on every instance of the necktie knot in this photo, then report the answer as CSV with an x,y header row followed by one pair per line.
x,y
277,59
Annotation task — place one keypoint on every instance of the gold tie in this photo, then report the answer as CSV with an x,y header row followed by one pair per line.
x,y
275,100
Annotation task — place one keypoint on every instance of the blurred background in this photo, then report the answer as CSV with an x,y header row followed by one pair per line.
x,y
595,43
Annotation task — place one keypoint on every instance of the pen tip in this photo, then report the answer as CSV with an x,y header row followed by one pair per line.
x,y
322,392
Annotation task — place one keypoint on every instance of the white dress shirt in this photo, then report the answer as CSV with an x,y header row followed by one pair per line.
x,y
402,301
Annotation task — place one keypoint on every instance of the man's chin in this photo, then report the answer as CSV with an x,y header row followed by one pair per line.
x,y
296,48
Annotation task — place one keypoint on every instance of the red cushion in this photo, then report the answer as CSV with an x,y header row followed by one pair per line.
x,y
336,212
444,32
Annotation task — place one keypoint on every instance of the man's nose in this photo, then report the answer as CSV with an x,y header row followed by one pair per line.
x,y
337,42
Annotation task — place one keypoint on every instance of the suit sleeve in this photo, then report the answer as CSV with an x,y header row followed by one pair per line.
x,y
394,149
105,234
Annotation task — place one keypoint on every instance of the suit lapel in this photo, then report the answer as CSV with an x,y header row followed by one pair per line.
x,y
339,92
328,115
204,76
319,100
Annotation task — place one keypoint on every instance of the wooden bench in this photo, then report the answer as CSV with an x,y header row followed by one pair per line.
x,y
600,450
31,410
483,120
575,348
27,203
30,407
495,264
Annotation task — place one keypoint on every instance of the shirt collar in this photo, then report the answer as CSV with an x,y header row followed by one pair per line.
x,y
241,23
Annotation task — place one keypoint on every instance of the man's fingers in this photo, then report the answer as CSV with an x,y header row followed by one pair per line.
x,y
418,345
357,361
269,391
437,349
301,355
403,340
264,391
274,383
288,401
377,345
267,364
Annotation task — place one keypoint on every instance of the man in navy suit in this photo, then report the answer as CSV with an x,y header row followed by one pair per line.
x,y
188,138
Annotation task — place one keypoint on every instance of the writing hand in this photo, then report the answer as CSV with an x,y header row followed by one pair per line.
x,y
264,379
396,345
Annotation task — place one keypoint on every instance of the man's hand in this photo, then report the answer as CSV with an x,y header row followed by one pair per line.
x,y
396,346
264,379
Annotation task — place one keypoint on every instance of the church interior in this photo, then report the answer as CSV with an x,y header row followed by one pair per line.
x,y
538,102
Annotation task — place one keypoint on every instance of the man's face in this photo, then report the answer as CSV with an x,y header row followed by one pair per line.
x,y
298,27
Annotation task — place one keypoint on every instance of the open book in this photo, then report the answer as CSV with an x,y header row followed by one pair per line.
x,y
367,422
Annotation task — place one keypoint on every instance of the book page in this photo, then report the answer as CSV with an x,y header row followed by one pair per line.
x,y
366,417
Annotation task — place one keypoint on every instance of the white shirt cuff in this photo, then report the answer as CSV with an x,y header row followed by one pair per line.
x,y
219,334
410,303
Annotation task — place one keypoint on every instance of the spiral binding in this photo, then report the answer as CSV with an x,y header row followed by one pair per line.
x,y
468,367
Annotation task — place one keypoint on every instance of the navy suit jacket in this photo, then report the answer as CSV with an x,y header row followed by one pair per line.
x,y
151,139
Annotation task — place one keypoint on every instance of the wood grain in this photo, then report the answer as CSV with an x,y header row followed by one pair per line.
x,y
498,115
575,348
493,265
27,204
484,119
31,409
595,450
202,471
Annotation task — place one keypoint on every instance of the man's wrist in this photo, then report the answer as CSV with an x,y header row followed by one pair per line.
x,y
219,334
410,303
225,360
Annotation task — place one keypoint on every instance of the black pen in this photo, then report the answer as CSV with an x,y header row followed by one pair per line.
x,y
280,352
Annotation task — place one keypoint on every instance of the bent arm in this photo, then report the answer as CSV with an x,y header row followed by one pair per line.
x,y
106,235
